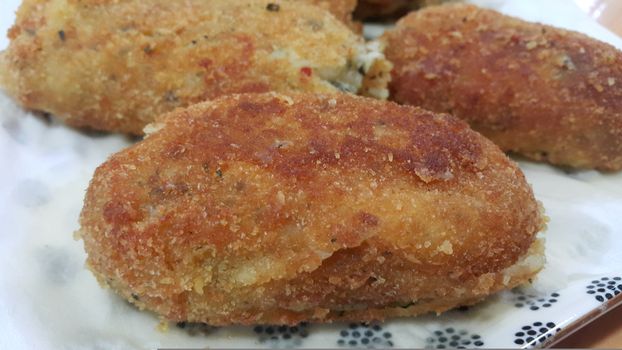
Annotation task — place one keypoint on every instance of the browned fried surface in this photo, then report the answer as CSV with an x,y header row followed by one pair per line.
x,y
113,65
282,208
543,92
341,9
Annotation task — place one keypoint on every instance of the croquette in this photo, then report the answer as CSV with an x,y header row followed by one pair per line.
x,y
545,93
280,208
114,65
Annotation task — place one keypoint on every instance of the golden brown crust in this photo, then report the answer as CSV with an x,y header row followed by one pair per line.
x,y
113,65
281,208
546,93
342,10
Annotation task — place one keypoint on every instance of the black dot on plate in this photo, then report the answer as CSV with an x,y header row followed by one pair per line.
x,y
365,341
601,290
525,328
605,278
550,324
356,334
258,329
546,305
552,300
532,332
475,336
595,281
534,308
353,342
438,332
386,335
369,333
617,278
537,324
611,287
442,339
519,341
440,346
519,334
521,297
529,339
449,330
478,343
376,327
544,330
600,285
453,344
466,342
455,337
430,340
608,296
344,333
463,332
555,295
376,340
341,342
591,292
611,282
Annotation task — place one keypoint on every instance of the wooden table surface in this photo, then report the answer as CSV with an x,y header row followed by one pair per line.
x,y
603,333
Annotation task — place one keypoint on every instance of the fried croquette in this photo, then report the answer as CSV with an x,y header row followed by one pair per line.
x,y
549,94
114,65
274,208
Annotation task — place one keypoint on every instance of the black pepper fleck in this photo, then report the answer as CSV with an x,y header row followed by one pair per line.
x,y
61,35
273,7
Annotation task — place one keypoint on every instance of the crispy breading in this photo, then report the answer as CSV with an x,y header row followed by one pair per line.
x,y
546,93
342,10
272,208
113,65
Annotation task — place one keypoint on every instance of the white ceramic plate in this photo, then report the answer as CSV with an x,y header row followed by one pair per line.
x,y
48,300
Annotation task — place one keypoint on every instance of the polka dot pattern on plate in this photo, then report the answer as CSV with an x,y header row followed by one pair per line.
x,y
450,338
364,335
605,288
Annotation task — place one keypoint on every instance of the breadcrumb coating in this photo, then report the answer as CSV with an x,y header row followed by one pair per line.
x,y
282,208
114,65
342,10
545,93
